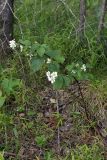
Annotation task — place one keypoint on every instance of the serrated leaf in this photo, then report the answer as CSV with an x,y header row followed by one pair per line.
x,y
35,46
25,42
59,82
52,67
55,54
45,46
9,84
41,51
59,58
36,64
69,67
67,81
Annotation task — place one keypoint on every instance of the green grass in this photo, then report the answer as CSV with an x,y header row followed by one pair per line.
x,y
25,123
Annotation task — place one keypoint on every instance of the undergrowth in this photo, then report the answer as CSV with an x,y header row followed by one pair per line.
x,y
29,121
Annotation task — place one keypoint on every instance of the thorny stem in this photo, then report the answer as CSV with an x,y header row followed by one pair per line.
x,y
58,131
81,94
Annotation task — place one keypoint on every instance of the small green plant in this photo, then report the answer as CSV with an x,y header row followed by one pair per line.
x,y
85,152
8,86
48,155
41,57
41,140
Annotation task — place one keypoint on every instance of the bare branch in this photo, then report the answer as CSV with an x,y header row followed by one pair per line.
x,y
102,16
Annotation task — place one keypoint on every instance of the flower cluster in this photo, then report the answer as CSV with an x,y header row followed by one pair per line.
x,y
51,76
83,67
12,44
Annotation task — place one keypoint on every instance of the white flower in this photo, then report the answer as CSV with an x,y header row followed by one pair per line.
x,y
51,76
73,71
48,74
21,48
52,80
83,67
12,44
54,74
48,60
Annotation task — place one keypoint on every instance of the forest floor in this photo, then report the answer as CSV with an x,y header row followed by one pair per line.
x,y
56,125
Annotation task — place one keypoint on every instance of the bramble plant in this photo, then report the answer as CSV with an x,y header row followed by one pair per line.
x,y
41,56
8,86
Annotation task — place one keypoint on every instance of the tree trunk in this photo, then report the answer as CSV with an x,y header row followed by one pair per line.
x,y
6,24
82,18
101,21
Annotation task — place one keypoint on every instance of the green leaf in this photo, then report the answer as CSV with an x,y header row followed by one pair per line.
x,y
59,82
69,67
52,67
36,64
41,51
45,46
25,42
79,75
67,81
55,54
2,100
9,84
35,46
59,58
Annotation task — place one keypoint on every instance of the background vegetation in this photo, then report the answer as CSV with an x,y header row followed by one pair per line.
x,y
29,121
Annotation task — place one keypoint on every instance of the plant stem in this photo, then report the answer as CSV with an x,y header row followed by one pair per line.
x,y
58,131
84,103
